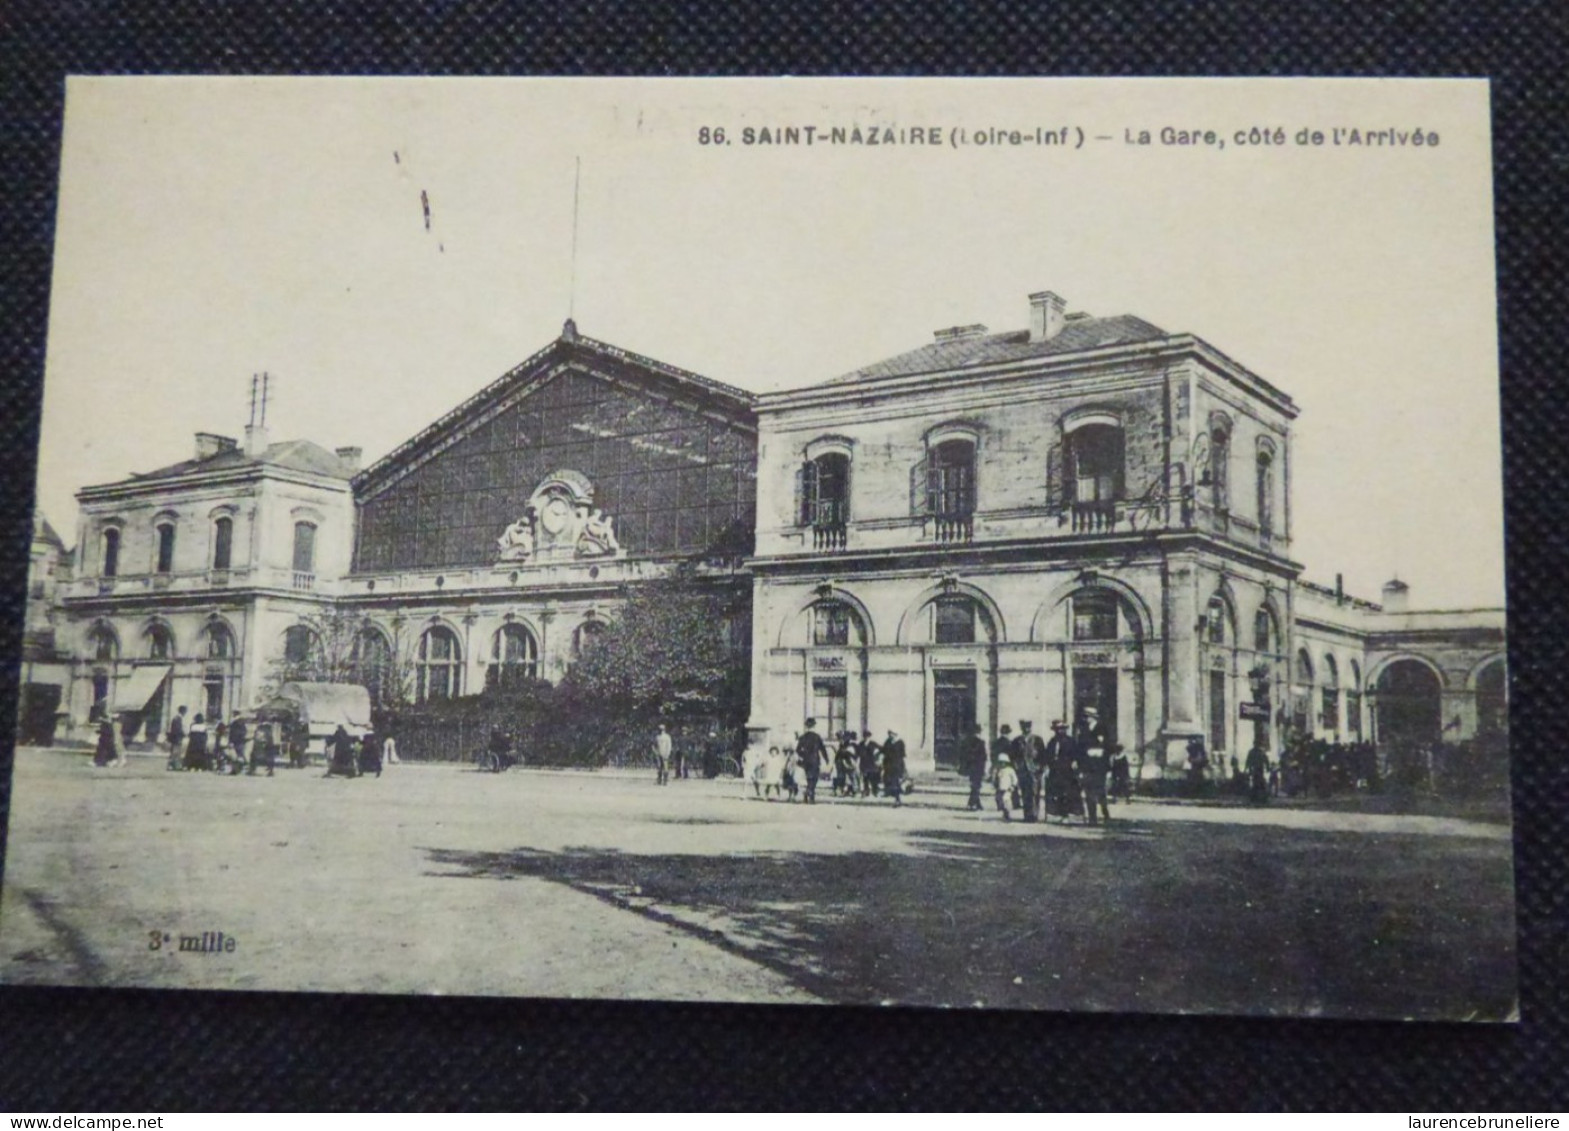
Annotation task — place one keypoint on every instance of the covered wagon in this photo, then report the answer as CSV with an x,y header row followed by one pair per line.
x,y
310,713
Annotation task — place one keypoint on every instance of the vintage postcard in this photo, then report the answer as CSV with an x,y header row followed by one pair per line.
x,y
1008,544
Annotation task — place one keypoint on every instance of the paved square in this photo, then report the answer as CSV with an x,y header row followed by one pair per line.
x,y
437,879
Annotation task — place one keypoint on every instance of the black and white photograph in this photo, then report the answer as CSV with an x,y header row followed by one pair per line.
x,y
1007,544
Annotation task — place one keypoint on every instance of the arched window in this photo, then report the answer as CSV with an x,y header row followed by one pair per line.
x,y
825,498
160,642
950,488
165,562
1095,615
372,662
836,625
587,636
1329,713
1492,699
301,648
438,670
1217,620
222,542
305,547
514,657
1220,461
1302,694
1354,700
111,552
102,643
220,642
1093,472
956,620
1264,635
1266,490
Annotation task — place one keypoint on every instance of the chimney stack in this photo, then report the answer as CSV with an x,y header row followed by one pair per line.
x,y
209,444
959,333
349,457
1047,312
256,429
1397,596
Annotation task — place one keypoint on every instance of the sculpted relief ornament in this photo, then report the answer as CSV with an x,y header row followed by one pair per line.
x,y
560,521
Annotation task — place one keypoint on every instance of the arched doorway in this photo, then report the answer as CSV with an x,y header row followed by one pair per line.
x,y
1407,717
1492,700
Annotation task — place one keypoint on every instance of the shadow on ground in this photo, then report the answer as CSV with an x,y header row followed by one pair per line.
x,y
1148,918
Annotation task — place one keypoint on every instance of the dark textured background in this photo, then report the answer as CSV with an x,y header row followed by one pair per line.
x,y
101,1050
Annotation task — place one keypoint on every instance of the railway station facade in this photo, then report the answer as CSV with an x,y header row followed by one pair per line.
x,y
989,528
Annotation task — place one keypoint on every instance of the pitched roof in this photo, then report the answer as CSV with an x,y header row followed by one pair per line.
x,y
1079,332
290,455
42,529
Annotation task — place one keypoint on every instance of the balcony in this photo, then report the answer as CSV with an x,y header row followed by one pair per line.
x,y
829,536
304,582
952,527
1093,518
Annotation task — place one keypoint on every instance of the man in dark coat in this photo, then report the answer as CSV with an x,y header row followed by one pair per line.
x,y
870,754
1089,736
893,768
1062,781
1026,757
1258,775
264,751
239,734
341,760
972,764
176,738
809,748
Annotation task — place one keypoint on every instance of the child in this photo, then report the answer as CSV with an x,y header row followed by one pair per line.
x,y
1006,783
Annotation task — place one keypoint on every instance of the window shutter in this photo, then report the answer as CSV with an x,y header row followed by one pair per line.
x,y
1054,494
918,487
1119,472
805,492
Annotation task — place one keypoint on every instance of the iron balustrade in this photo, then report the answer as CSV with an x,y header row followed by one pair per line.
x,y
829,536
1094,518
953,527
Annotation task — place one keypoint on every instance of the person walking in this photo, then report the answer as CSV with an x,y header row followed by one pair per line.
x,y
663,744
869,752
1062,782
1024,765
196,746
389,749
809,748
1005,786
893,768
176,735
972,763
239,735
1121,776
1258,775
108,749
1090,739
370,754
341,761
264,750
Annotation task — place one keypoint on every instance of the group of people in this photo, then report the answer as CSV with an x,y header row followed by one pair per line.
x,y
861,767
678,759
1064,777
350,757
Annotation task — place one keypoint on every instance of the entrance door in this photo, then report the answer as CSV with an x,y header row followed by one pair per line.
x,y
953,711
1217,712
1096,687
212,696
830,707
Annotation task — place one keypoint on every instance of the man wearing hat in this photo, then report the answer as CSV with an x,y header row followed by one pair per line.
x,y
893,767
1002,744
1025,757
1062,783
810,749
1090,738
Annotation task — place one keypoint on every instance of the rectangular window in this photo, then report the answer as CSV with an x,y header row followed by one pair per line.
x,y
111,553
955,621
831,626
830,706
222,543
1354,715
165,548
1331,710
1094,617
304,547
1217,712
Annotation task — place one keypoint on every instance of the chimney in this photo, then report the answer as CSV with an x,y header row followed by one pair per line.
x,y
959,333
349,457
209,444
1397,596
255,439
1046,315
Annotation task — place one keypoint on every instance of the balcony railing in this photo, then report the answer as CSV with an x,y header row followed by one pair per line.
x,y
1094,518
829,536
953,527
304,581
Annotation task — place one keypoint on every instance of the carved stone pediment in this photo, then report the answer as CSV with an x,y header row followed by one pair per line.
x,y
560,521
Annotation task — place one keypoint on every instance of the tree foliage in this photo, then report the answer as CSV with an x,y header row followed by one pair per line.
x,y
676,647
342,646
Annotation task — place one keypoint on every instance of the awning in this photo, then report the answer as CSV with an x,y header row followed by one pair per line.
x,y
137,690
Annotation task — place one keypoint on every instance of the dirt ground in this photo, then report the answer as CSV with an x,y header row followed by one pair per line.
x,y
437,879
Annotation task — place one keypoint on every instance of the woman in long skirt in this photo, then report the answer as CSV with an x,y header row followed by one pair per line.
x,y
1063,798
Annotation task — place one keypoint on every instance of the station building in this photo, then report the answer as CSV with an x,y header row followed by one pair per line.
x,y
991,527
